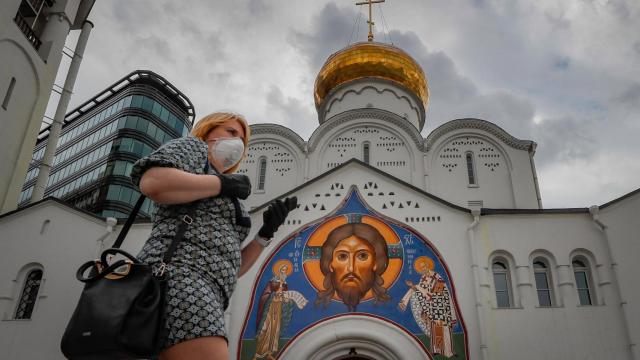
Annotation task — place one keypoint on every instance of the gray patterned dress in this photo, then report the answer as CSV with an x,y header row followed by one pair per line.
x,y
203,270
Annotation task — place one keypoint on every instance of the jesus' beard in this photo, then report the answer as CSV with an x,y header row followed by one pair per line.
x,y
351,295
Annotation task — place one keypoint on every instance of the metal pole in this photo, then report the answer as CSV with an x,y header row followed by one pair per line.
x,y
477,284
619,298
58,119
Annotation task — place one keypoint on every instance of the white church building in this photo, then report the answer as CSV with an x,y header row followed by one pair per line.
x,y
473,267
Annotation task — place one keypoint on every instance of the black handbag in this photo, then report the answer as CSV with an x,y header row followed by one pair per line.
x,y
120,313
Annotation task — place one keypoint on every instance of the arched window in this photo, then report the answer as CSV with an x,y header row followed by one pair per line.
x,y
583,281
471,172
262,175
543,282
29,294
502,283
365,152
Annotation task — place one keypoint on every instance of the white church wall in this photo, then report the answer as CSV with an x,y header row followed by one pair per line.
x,y
284,167
621,219
390,149
492,185
503,174
523,176
565,329
373,93
57,240
442,225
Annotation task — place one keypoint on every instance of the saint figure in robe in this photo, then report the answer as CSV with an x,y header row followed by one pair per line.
x,y
432,307
275,310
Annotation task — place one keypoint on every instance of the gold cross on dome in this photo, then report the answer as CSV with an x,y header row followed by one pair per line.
x,y
370,21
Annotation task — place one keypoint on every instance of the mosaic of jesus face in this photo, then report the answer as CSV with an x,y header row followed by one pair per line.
x,y
353,258
353,266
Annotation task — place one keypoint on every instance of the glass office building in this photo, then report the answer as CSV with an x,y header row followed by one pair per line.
x,y
102,138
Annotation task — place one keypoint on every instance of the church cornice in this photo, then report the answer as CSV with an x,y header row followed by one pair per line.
x,y
487,126
367,113
276,129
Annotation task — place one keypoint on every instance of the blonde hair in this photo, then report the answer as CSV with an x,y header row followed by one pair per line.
x,y
213,120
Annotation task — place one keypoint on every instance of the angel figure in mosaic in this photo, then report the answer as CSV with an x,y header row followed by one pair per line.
x,y
275,309
432,307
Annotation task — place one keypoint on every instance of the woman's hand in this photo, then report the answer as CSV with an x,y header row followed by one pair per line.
x,y
275,216
235,185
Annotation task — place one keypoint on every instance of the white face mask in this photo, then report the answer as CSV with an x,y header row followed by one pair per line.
x,y
227,151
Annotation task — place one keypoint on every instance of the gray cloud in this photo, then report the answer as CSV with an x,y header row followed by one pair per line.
x,y
620,9
557,18
630,97
153,46
509,63
456,96
259,8
329,33
287,110
561,63
564,139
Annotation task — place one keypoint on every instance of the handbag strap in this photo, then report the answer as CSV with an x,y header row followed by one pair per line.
x,y
185,221
129,222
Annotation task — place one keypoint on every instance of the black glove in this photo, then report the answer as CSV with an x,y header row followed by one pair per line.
x,y
275,216
234,185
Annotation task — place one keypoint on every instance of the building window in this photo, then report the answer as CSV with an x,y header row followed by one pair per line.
x,y
7,95
29,294
471,173
543,281
502,283
262,175
31,19
583,281
365,152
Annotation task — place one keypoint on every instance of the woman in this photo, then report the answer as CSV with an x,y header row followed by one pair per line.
x,y
197,171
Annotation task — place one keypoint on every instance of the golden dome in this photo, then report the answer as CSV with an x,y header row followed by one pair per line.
x,y
371,59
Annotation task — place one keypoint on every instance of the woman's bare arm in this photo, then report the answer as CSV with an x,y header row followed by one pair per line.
x,y
168,186
249,256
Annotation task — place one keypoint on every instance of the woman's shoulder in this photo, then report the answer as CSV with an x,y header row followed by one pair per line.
x,y
189,143
186,153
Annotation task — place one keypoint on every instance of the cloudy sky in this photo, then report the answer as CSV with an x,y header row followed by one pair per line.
x,y
565,74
